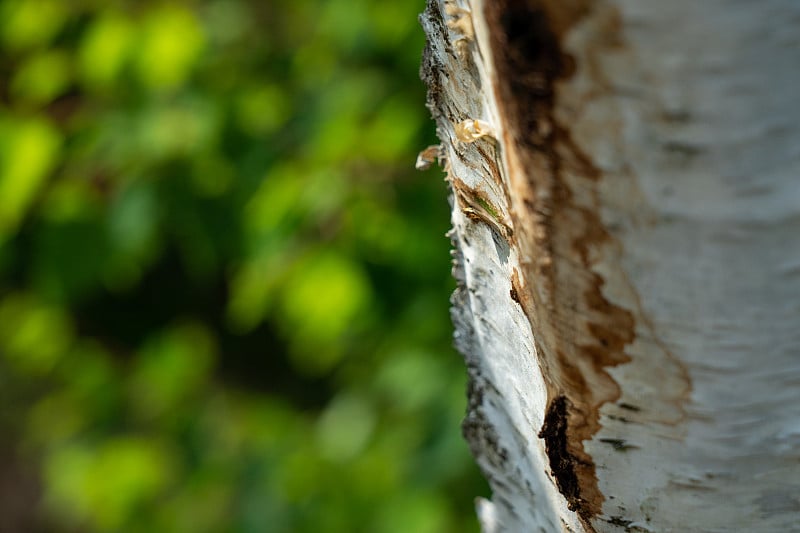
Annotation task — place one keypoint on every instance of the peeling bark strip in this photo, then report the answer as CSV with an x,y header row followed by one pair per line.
x,y
543,202
555,212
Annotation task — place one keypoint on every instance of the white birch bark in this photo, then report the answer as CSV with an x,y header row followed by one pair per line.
x,y
626,214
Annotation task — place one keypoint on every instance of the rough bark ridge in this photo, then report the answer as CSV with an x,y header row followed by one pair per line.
x,y
589,301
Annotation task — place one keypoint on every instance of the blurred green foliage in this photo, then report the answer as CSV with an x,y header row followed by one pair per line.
x,y
223,289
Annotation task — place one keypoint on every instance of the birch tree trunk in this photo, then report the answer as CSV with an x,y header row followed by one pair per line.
x,y
626,222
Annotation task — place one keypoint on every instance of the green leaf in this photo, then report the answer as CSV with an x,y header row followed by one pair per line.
x,y
170,44
29,150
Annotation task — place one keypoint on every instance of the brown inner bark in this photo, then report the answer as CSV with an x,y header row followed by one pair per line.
x,y
579,333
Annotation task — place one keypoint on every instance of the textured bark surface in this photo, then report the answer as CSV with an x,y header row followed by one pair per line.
x,y
626,214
